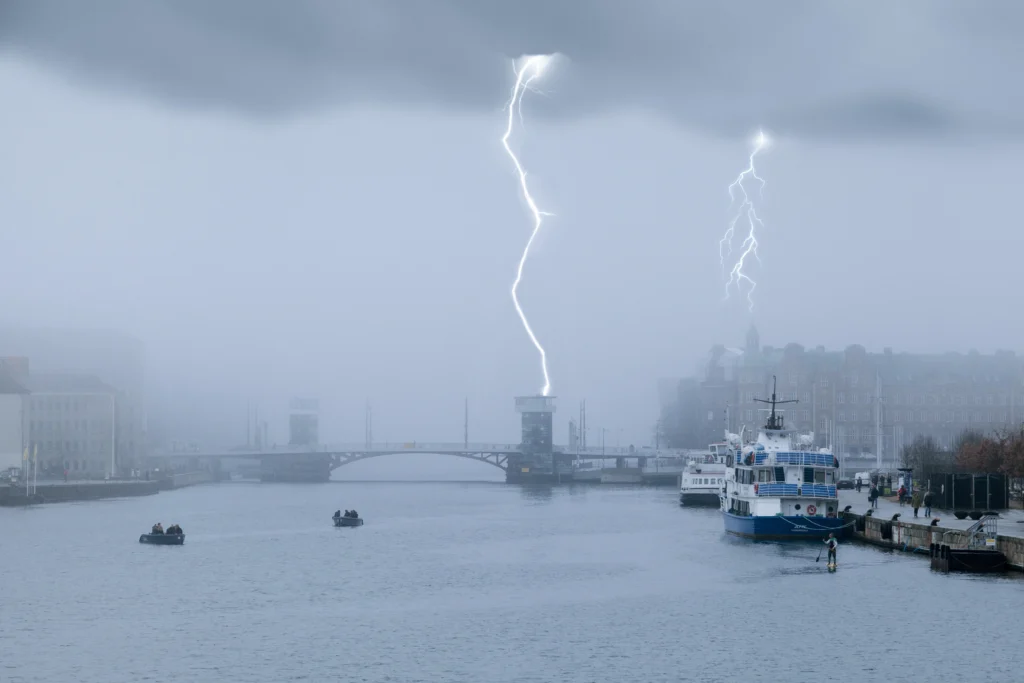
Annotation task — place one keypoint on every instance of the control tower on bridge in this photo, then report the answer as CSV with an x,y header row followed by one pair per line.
x,y
536,460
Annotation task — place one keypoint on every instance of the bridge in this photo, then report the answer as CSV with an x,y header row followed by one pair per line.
x,y
342,454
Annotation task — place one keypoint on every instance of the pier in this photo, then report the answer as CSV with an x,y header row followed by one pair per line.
x,y
917,534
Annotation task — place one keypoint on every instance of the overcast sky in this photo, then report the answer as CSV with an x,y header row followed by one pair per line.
x,y
311,198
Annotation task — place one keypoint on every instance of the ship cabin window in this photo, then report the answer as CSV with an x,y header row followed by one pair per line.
x,y
739,507
764,476
780,474
745,476
808,474
824,477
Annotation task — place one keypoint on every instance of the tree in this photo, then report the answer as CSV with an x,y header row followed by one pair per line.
x,y
921,454
967,437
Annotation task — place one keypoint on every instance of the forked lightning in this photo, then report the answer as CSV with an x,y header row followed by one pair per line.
x,y
532,67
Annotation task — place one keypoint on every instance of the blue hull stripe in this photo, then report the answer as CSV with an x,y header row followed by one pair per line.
x,y
778,528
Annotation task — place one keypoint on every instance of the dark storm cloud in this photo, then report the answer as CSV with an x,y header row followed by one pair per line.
x,y
800,67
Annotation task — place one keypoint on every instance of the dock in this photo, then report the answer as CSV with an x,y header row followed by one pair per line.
x,y
916,535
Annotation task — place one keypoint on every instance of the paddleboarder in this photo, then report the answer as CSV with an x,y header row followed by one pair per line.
x,y
832,544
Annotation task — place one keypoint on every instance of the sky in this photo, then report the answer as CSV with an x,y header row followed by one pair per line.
x,y
312,199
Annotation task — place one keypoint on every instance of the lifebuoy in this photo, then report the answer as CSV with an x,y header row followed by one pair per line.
x,y
811,509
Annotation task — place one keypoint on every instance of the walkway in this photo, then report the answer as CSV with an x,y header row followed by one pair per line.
x,y
1011,522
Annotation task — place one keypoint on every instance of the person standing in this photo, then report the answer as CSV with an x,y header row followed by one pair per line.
x,y
928,497
833,545
915,501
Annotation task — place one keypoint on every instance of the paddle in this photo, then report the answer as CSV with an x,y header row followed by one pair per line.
x,y
819,554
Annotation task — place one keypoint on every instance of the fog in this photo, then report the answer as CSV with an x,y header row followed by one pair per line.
x,y
362,249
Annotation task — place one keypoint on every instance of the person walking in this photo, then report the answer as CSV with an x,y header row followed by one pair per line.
x,y
915,501
928,497
873,496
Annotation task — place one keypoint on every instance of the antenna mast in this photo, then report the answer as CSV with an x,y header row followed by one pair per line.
x,y
774,421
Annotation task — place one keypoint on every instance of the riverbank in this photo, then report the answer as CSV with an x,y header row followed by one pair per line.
x,y
916,534
79,491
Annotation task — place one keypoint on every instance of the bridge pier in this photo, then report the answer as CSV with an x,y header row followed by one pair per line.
x,y
300,467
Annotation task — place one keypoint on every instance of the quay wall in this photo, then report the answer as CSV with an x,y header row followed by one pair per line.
x,y
917,538
182,479
71,492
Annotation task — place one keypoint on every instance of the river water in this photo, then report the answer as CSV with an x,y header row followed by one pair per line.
x,y
475,582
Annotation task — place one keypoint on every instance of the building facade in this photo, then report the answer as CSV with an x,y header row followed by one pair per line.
x,y
859,402
86,366
73,420
12,421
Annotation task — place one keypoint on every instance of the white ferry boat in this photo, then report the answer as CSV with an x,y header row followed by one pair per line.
x,y
778,488
703,478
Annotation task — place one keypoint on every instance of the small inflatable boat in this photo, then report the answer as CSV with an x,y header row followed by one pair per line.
x,y
163,539
348,521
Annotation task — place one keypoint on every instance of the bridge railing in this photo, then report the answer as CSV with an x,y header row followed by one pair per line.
x,y
411,447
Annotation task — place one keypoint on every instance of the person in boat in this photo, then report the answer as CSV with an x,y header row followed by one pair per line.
x,y
158,528
174,529
355,515
337,514
348,513
832,544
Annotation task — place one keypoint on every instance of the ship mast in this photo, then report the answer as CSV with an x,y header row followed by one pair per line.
x,y
774,421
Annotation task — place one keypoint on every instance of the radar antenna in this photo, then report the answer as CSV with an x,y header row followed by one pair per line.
x,y
774,421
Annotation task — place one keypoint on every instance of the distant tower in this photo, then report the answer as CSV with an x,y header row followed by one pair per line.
x,y
304,422
753,341
537,412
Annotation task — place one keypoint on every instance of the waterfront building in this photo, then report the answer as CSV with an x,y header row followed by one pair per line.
x,y
858,401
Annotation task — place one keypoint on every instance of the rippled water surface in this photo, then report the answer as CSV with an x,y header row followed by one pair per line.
x,y
471,582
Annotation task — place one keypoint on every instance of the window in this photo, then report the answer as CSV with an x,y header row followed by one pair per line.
x,y
840,397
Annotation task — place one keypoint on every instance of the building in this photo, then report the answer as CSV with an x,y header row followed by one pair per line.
x,y
859,402
72,420
111,359
304,422
12,421
536,460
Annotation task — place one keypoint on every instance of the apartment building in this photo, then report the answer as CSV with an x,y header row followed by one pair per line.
x,y
860,401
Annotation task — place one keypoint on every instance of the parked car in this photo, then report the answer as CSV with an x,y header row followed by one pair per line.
x,y
845,484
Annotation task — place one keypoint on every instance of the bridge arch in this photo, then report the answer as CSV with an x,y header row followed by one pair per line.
x,y
496,459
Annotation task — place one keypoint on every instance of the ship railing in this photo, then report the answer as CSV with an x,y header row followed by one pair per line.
x,y
797,490
796,458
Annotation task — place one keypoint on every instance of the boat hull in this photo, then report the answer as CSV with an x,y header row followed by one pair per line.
x,y
699,499
779,528
348,521
163,539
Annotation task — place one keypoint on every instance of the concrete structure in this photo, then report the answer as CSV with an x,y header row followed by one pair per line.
x,y
536,458
915,535
864,403
12,421
304,422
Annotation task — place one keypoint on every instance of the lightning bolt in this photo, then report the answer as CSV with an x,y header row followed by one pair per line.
x,y
531,69
745,209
